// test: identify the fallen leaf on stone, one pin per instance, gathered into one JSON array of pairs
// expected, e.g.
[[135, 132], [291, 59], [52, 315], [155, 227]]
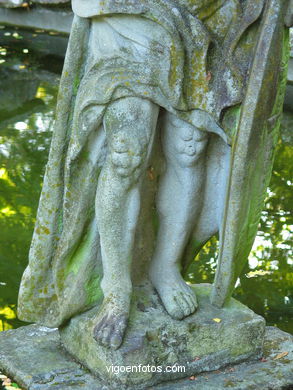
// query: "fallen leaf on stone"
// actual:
[[196, 358], [229, 383], [281, 355], [151, 173], [231, 369], [209, 76], [217, 319], [193, 378]]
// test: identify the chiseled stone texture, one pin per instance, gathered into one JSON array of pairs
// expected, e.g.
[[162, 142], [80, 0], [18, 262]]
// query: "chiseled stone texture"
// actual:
[[199, 342], [274, 371], [32, 356]]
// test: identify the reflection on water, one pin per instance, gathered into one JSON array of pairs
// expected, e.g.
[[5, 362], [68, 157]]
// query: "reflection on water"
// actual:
[[28, 89], [23, 153]]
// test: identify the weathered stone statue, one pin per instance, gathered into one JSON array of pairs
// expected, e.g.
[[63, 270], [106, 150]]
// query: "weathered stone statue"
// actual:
[[141, 175]]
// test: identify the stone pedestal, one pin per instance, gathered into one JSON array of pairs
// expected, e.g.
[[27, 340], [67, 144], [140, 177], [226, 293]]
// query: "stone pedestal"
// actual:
[[155, 343], [34, 358]]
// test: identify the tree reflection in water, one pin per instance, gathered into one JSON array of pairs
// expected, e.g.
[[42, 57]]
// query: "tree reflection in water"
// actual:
[[265, 284], [23, 154]]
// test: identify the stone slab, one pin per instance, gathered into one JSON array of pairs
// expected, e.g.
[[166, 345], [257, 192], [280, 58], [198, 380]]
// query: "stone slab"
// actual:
[[34, 358], [38, 18], [207, 340]]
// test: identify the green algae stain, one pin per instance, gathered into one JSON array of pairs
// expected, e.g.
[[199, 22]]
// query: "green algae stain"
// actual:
[[209, 8], [42, 230], [231, 120], [76, 85], [75, 263], [78, 257], [176, 58], [93, 290]]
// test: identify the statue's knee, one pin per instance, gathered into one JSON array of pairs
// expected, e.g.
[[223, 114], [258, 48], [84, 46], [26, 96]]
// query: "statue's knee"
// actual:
[[129, 137], [127, 158], [125, 164], [191, 147]]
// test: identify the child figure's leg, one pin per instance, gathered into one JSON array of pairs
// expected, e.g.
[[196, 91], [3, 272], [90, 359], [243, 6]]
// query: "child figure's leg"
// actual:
[[179, 201]]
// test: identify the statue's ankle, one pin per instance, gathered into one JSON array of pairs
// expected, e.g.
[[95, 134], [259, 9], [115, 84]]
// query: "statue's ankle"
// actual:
[[117, 291]]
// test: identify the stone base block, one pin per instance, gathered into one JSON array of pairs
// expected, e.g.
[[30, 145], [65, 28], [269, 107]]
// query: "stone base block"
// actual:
[[33, 357], [156, 345]]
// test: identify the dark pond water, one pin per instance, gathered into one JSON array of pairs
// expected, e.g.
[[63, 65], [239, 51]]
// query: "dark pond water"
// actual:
[[30, 65]]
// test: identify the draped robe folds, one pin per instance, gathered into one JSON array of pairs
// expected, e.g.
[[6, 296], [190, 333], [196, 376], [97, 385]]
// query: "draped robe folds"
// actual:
[[196, 71]]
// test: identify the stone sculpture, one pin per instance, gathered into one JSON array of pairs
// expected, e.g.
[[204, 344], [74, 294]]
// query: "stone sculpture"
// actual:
[[153, 95]]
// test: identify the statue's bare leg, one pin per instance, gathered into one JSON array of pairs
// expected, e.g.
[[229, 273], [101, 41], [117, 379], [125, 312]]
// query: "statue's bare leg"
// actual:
[[179, 201], [130, 126]]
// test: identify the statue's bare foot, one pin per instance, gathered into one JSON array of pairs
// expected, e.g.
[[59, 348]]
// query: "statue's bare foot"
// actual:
[[178, 298], [111, 322]]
